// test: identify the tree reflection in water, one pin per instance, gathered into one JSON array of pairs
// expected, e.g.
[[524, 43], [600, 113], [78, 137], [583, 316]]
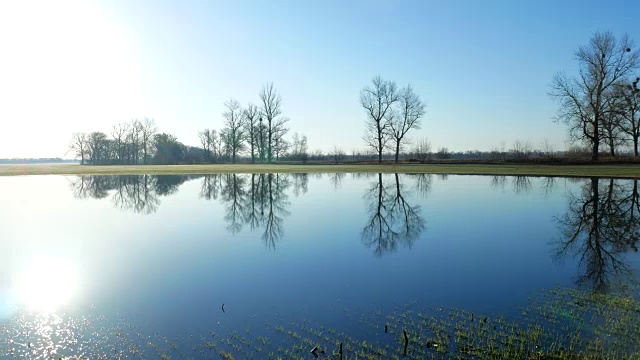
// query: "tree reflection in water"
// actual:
[[138, 193], [392, 220], [601, 225]]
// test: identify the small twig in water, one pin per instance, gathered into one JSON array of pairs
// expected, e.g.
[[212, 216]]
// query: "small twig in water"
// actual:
[[406, 342]]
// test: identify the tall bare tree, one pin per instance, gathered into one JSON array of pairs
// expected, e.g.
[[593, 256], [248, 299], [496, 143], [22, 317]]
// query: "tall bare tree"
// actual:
[[234, 133], [251, 114], [133, 141], [148, 129], [602, 63], [407, 117], [216, 144], [205, 141], [378, 100], [422, 150], [119, 133], [271, 109], [96, 144], [279, 130], [79, 145], [630, 112]]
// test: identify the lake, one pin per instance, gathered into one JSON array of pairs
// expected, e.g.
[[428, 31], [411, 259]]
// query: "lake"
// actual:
[[275, 265]]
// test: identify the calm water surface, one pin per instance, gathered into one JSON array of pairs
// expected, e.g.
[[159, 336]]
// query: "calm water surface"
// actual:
[[164, 253]]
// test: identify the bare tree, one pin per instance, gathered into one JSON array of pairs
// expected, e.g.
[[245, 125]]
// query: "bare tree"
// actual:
[[337, 154], [119, 133], [378, 100], [205, 141], [583, 106], [279, 130], [630, 111], [422, 150], [251, 129], [234, 133], [133, 141], [410, 110], [216, 144], [547, 148], [271, 109], [96, 144], [148, 129], [79, 146], [521, 149], [443, 153]]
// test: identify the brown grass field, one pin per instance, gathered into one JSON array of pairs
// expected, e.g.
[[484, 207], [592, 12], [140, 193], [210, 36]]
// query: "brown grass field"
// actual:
[[600, 170]]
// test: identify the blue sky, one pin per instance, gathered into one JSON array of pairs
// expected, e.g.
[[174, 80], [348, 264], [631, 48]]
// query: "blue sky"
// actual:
[[482, 67]]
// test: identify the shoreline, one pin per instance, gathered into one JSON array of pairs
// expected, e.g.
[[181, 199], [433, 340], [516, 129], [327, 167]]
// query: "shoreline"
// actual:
[[630, 171]]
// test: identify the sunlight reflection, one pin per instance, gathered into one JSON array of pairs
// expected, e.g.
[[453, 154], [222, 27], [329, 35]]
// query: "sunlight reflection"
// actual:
[[46, 284]]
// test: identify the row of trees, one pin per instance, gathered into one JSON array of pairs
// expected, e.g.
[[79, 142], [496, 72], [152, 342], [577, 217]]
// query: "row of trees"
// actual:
[[131, 143], [257, 131], [601, 105]]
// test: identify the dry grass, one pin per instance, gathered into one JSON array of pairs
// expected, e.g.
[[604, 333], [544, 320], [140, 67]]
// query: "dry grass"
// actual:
[[617, 170]]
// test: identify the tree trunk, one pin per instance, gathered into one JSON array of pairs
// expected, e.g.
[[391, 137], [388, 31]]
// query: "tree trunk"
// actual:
[[596, 139], [397, 150], [612, 148], [379, 144], [269, 148], [635, 146]]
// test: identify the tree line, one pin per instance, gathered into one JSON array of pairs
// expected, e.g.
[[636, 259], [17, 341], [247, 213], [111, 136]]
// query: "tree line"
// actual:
[[256, 131], [601, 106]]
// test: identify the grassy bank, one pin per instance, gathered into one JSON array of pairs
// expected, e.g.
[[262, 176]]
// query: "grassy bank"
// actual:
[[617, 170]]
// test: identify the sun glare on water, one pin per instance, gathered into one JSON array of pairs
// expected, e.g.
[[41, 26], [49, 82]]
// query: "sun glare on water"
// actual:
[[46, 284]]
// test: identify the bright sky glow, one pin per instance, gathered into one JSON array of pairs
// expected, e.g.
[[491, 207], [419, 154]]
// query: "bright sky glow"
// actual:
[[483, 67]]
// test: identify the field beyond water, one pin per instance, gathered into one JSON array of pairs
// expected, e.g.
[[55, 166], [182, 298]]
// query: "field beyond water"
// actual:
[[631, 171]]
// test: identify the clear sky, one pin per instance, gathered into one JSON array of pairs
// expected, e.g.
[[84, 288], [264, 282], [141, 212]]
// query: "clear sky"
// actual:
[[482, 67]]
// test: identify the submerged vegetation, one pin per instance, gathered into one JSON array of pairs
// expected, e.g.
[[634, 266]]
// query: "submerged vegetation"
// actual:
[[557, 324]]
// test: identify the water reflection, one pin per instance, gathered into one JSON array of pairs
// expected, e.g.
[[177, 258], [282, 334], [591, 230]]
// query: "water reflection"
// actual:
[[391, 219], [138, 193], [519, 184], [256, 201], [601, 225], [45, 284]]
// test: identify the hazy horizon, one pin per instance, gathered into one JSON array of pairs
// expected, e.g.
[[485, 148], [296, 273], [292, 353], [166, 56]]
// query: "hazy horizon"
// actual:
[[482, 68]]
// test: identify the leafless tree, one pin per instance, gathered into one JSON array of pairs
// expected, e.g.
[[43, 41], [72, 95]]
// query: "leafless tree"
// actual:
[[79, 146], [234, 133], [378, 100], [299, 148], [630, 111], [422, 150], [337, 154], [148, 129], [205, 141], [96, 144], [119, 133], [410, 111], [133, 141], [443, 153], [547, 148], [251, 114], [216, 144], [271, 109], [521, 149], [602, 63], [279, 129]]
